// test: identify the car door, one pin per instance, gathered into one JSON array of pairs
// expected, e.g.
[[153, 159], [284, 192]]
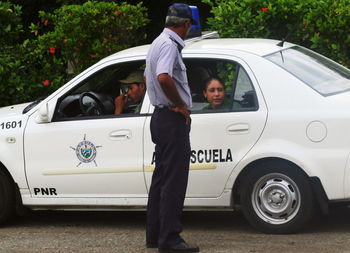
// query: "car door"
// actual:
[[219, 138], [96, 156]]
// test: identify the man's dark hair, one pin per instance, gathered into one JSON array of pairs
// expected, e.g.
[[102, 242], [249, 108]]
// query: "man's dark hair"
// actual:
[[172, 21]]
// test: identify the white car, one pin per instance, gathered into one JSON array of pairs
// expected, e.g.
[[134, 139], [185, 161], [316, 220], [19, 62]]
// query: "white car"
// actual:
[[280, 149]]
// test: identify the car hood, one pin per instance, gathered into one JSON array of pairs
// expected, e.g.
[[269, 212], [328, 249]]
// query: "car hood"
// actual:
[[13, 110]]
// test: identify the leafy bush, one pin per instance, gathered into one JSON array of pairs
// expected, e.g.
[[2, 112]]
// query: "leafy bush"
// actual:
[[11, 63], [75, 36], [24, 74], [320, 25], [327, 29], [83, 34], [10, 23]]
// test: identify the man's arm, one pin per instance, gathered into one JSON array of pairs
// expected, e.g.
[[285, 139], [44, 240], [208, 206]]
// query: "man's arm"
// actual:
[[168, 86]]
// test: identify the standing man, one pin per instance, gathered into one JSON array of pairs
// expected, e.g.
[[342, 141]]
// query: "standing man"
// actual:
[[168, 90]]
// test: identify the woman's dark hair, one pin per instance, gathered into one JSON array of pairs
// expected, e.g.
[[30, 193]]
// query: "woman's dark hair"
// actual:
[[211, 78]]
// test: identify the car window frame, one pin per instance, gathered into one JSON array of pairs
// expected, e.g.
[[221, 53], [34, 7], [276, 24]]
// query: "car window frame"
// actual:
[[234, 84], [81, 81]]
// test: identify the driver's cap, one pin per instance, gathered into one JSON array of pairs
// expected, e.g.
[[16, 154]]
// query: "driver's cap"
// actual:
[[134, 77]]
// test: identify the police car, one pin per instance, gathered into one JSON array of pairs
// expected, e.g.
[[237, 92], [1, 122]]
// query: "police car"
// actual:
[[278, 150]]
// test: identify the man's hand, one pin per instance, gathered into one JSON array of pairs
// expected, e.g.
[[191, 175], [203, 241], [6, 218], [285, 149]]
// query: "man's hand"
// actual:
[[119, 103], [168, 86], [184, 111]]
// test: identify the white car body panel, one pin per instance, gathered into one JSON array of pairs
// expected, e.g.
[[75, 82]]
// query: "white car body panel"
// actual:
[[315, 158], [103, 177], [11, 146], [13, 110]]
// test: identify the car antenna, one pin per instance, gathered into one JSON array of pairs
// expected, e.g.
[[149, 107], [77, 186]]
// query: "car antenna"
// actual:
[[281, 43]]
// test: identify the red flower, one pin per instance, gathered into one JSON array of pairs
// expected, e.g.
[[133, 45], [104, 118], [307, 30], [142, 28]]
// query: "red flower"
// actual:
[[52, 50], [264, 9], [117, 12], [46, 22], [46, 82], [306, 25]]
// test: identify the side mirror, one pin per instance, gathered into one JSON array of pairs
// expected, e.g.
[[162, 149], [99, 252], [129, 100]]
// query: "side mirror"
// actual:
[[43, 114]]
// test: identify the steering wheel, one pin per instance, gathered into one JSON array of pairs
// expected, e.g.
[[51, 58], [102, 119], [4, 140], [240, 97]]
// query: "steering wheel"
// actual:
[[93, 107]]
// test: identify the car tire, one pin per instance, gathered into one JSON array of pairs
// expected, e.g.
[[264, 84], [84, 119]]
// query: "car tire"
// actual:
[[277, 198], [7, 198]]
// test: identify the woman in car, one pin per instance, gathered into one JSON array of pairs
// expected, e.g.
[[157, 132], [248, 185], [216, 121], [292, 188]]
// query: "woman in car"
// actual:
[[214, 92]]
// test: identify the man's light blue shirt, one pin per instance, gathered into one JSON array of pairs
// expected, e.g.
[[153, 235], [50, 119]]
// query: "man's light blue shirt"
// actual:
[[164, 57]]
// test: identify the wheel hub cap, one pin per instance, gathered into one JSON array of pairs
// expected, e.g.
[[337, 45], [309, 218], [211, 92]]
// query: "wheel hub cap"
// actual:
[[276, 198]]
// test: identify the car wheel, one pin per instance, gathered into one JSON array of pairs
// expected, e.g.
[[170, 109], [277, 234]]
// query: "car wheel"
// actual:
[[277, 198], [7, 200]]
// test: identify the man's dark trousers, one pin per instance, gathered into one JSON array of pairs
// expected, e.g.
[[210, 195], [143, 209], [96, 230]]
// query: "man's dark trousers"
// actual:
[[170, 133]]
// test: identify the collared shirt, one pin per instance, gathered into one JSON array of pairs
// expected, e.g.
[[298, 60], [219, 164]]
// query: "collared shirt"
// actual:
[[226, 104], [164, 57], [138, 108]]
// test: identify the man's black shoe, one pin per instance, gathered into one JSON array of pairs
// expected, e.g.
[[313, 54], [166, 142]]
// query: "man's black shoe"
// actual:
[[181, 247], [152, 245]]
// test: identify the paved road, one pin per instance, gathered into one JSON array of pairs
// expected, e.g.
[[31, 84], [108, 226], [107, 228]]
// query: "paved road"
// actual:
[[214, 232]]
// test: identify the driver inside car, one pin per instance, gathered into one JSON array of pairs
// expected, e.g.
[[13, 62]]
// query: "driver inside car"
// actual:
[[136, 91]]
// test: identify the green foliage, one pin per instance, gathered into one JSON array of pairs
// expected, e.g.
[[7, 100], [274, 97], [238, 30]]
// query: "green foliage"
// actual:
[[321, 25], [227, 72], [327, 28], [10, 23], [70, 39], [27, 74], [83, 34]]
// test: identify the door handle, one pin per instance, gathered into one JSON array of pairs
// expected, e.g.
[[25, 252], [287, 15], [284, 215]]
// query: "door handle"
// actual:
[[239, 128], [120, 135]]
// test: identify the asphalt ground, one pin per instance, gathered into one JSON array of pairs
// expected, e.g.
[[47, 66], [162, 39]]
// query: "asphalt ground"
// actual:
[[107, 232]]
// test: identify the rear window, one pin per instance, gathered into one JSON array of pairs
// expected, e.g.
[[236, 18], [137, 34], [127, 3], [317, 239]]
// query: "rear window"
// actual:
[[320, 73]]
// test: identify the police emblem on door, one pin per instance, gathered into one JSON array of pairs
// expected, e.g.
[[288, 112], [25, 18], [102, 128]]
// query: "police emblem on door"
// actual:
[[86, 151]]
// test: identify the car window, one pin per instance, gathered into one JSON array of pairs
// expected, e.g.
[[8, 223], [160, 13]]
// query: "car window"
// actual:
[[97, 81], [244, 95], [95, 96], [219, 86], [318, 72]]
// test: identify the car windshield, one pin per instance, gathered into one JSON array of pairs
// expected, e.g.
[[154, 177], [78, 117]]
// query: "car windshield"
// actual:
[[320, 73]]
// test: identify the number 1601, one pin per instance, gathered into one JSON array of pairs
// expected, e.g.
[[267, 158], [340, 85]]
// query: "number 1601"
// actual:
[[11, 124]]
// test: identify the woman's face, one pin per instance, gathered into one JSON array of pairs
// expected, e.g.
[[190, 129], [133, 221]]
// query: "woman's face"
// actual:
[[215, 93]]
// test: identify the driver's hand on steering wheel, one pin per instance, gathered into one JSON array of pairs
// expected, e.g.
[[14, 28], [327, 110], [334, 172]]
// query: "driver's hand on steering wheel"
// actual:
[[120, 102]]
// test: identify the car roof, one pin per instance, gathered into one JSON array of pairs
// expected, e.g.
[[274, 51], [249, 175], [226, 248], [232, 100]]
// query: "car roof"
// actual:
[[259, 47], [255, 46]]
